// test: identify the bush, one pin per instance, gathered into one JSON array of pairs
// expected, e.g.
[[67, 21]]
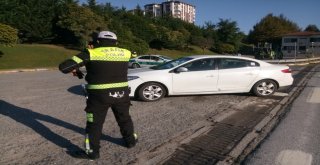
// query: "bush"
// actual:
[[224, 48], [8, 35]]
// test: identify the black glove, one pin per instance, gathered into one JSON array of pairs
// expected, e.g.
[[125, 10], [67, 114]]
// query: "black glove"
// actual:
[[78, 73]]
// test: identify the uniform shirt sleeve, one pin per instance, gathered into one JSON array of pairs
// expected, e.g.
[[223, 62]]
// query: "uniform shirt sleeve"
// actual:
[[75, 62]]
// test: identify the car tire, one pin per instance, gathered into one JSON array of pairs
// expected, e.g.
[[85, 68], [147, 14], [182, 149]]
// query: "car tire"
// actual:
[[151, 92], [264, 88], [135, 65]]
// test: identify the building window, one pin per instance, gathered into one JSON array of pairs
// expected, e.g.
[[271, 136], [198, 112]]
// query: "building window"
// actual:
[[302, 48], [289, 48], [290, 40], [314, 39]]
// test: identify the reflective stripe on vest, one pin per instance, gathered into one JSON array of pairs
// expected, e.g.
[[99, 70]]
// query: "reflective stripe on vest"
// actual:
[[90, 117], [76, 59], [109, 54], [107, 86]]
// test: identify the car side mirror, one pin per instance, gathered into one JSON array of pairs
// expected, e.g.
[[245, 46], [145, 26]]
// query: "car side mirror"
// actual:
[[181, 69]]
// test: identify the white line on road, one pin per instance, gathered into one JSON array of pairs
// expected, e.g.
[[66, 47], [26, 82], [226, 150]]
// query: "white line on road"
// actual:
[[280, 94], [293, 157], [315, 96]]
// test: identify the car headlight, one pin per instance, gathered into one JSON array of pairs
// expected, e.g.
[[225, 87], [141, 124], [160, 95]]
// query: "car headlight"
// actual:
[[132, 78]]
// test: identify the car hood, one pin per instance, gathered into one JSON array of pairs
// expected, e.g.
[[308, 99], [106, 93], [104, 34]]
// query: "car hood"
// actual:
[[139, 70], [144, 71]]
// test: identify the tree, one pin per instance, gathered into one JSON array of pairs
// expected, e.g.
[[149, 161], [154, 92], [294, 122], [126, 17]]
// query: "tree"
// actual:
[[267, 34], [139, 11], [92, 4], [228, 37], [225, 48], [82, 22], [33, 18], [271, 29], [312, 28], [202, 42], [8, 35]]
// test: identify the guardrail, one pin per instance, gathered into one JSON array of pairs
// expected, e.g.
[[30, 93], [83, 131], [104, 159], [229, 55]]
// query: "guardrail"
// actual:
[[295, 61]]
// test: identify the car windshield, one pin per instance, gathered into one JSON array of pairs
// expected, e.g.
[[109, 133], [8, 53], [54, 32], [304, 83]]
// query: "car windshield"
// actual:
[[171, 64]]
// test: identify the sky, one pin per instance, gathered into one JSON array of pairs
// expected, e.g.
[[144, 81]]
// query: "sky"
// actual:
[[246, 13]]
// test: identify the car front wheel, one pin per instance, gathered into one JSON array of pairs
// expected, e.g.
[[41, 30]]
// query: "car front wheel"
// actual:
[[135, 65], [151, 92], [264, 88]]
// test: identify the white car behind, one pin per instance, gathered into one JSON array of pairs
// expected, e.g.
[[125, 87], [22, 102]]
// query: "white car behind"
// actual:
[[208, 74], [147, 61]]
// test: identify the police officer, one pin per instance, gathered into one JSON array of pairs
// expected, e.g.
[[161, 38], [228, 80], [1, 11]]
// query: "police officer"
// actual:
[[107, 67]]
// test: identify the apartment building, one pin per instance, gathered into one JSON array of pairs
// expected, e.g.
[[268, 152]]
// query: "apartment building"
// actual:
[[153, 10], [176, 9], [301, 45]]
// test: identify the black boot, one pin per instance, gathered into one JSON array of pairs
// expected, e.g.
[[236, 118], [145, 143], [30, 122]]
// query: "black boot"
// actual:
[[131, 141], [83, 155]]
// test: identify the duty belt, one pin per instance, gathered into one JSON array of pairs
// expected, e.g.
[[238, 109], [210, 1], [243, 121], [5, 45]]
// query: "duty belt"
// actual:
[[107, 86]]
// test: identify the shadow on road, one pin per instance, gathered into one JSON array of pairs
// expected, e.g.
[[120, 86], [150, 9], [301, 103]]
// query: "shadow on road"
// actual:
[[77, 90], [31, 119]]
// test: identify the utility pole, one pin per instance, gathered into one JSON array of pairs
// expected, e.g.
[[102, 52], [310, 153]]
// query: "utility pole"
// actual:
[[295, 51], [312, 49]]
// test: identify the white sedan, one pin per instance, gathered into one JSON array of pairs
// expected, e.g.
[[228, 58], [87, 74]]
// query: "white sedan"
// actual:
[[208, 74]]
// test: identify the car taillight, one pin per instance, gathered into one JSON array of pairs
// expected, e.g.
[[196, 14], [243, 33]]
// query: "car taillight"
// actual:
[[286, 71]]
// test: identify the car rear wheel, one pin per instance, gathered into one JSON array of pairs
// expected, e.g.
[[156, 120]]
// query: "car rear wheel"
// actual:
[[135, 65], [151, 92], [264, 88]]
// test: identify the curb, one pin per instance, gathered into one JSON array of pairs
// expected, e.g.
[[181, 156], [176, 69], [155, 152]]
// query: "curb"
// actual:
[[25, 70]]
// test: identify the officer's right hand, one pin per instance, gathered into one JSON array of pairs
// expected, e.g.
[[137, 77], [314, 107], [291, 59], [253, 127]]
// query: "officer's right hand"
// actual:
[[74, 72]]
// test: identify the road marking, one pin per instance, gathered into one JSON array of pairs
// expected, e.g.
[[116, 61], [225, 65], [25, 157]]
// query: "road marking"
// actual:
[[293, 157], [315, 96], [280, 94]]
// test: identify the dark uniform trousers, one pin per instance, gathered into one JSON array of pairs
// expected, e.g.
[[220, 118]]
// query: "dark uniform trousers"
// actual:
[[98, 104]]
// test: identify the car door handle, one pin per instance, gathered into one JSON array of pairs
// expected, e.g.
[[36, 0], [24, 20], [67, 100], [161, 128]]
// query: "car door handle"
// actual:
[[250, 74], [210, 76]]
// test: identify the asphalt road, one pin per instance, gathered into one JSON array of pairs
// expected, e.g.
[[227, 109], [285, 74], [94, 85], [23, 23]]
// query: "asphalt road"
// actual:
[[42, 119], [296, 140]]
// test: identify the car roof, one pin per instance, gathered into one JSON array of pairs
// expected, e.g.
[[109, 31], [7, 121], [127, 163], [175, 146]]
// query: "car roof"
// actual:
[[226, 56], [149, 55], [154, 55]]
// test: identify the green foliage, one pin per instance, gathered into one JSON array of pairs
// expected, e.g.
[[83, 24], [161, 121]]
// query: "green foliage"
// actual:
[[8, 35], [228, 37], [67, 22], [271, 29], [82, 22], [247, 49], [135, 44], [33, 18], [202, 42], [312, 28], [225, 48]]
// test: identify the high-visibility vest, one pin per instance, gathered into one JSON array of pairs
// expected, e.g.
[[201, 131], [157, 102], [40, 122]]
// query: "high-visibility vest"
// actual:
[[107, 54]]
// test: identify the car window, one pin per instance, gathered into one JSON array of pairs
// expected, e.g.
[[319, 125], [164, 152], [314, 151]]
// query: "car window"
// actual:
[[144, 57], [154, 58], [229, 63], [171, 64], [201, 65]]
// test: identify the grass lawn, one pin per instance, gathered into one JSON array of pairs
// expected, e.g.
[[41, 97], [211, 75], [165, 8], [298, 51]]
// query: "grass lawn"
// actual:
[[33, 56], [30, 56], [179, 53]]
